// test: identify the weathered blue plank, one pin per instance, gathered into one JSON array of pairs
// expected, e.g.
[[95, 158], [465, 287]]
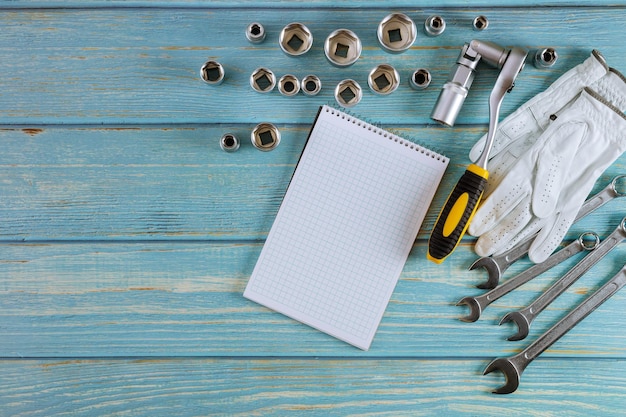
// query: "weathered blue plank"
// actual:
[[65, 67], [185, 299], [398, 387]]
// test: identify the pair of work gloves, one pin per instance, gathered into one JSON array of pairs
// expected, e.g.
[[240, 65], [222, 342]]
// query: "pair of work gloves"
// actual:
[[546, 158]]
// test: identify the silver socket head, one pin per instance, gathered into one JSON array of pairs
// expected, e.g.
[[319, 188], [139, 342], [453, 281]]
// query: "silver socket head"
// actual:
[[311, 85], [396, 32], [229, 142], [255, 32], [288, 85], [383, 79], [348, 93], [265, 136], [420, 79], [212, 73], [295, 39], [342, 47], [545, 58], [262, 80], [434, 25], [480, 23]]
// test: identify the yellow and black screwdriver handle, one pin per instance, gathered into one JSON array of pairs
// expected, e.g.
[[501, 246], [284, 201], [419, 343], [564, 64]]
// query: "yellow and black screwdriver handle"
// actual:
[[457, 213]]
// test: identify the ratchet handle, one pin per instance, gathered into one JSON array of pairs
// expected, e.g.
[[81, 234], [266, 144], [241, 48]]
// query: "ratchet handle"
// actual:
[[457, 213]]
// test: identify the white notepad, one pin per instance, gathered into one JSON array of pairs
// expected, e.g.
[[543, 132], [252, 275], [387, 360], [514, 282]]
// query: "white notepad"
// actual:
[[345, 227]]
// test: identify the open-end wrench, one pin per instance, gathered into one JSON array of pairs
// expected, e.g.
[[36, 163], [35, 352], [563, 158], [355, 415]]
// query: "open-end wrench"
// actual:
[[587, 241], [513, 367], [496, 265], [524, 317]]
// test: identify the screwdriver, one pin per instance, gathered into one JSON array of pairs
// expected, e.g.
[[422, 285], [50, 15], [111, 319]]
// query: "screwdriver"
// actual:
[[463, 201]]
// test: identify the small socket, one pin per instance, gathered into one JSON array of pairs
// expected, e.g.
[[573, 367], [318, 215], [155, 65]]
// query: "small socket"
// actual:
[[348, 93], [545, 58], [288, 85], [420, 79], [229, 142], [262, 80], [383, 79], [212, 73], [342, 47], [265, 136], [480, 23], [434, 25], [255, 32], [396, 32], [311, 85], [295, 39]]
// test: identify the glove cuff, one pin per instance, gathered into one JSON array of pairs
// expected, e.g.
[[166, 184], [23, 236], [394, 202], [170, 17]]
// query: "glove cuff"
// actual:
[[612, 87]]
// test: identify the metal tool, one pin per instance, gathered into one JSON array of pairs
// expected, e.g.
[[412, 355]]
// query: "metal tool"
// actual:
[[262, 80], [265, 136], [545, 58], [480, 23], [342, 48], [513, 367], [420, 79], [255, 32], [295, 39], [212, 72], [396, 32], [496, 265], [383, 79], [348, 93], [434, 25], [463, 201], [229, 142], [524, 317], [288, 85], [311, 85], [587, 241]]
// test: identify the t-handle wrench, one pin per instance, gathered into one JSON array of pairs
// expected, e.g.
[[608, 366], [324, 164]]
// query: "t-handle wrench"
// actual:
[[496, 265], [513, 367], [524, 317], [587, 241]]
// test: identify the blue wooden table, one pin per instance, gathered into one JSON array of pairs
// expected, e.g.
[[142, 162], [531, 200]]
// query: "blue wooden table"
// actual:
[[127, 235]]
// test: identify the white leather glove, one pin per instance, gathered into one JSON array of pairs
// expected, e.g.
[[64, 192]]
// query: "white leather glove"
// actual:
[[518, 131], [546, 186]]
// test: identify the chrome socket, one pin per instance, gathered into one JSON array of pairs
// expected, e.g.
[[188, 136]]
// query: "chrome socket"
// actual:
[[420, 79], [342, 48], [396, 32], [480, 23], [229, 142], [212, 73], [295, 39], [434, 25], [311, 85], [545, 58], [265, 136], [288, 85], [262, 80], [255, 32], [383, 79], [348, 93]]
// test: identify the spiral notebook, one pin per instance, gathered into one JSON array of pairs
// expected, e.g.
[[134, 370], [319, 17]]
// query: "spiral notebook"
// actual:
[[345, 227]]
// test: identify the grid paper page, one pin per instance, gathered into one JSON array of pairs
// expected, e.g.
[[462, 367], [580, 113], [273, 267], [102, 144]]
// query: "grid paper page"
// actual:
[[345, 227]]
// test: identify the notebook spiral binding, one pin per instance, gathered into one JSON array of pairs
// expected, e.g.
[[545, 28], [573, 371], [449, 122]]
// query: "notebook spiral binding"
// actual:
[[386, 133]]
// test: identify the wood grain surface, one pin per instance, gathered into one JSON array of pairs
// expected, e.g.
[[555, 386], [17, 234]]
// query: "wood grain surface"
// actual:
[[127, 235]]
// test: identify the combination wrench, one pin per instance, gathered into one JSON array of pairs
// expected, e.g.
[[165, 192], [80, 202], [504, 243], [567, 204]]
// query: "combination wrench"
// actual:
[[587, 241], [524, 317], [513, 367], [496, 265]]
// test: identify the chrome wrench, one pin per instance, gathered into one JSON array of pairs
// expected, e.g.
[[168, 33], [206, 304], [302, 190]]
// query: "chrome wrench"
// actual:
[[524, 317], [513, 367], [496, 265], [587, 241]]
